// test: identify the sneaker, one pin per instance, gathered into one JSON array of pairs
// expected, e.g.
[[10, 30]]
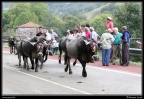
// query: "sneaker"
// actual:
[[124, 65], [113, 63], [103, 64]]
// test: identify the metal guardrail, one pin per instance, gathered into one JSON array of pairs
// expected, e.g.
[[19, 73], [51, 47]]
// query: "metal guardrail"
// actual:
[[135, 51]]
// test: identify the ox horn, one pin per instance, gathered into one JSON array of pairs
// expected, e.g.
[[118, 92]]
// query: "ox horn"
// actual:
[[86, 42], [32, 43]]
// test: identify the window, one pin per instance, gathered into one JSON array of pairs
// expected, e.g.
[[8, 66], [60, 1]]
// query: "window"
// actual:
[[31, 33]]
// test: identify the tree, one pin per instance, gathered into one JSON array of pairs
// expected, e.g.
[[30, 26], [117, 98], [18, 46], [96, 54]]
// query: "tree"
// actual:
[[58, 25], [41, 10], [20, 12], [130, 15], [70, 21], [25, 17]]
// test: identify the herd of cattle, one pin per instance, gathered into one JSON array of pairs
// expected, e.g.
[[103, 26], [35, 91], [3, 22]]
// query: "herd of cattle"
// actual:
[[37, 50]]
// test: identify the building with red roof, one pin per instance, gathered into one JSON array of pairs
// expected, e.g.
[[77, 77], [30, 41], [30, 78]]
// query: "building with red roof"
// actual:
[[29, 29]]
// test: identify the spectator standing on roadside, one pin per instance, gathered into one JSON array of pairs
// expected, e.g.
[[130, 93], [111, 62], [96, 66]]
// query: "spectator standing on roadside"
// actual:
[[117, 46], [125, 46], [53, 34], [106, 41], [94, 37], [88, 33], [41, 32]]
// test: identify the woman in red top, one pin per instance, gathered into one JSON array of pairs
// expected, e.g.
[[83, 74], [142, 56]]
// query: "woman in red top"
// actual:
[[109, 23], [88, 33]]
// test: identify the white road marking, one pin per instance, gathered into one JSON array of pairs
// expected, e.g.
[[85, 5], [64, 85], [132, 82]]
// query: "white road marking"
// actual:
[[8, 67], [111, 70]]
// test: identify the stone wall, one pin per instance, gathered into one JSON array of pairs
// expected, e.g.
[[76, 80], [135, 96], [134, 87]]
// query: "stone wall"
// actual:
[[26, 32]]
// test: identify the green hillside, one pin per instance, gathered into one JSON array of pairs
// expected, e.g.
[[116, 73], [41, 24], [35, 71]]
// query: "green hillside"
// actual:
[[74, 8], [108, 8], [85, 9]]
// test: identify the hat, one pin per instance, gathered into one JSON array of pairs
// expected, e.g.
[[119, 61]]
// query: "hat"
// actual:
[[51, 30], [109, 30], [92, 28], [124, 27], [109, 18], [68, 30]]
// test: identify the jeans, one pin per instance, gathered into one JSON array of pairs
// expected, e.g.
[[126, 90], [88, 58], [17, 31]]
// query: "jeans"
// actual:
[[106, 56], [53, 49]]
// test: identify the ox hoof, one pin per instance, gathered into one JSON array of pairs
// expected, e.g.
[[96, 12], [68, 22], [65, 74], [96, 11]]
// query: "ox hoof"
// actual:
[[36, 70], [65, 63], [74, 64], [59, 62], [32, 68], [70, 72], [41, 67], [84, 74], [66, 69]]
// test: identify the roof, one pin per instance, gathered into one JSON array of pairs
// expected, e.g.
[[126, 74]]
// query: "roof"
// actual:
[[29, 25]]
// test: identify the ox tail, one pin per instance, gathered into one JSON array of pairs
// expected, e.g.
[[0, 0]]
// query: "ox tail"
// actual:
[[60, 50]]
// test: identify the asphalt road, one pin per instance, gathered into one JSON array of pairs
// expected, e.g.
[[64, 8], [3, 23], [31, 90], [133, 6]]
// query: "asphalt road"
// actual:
[[52, 80]]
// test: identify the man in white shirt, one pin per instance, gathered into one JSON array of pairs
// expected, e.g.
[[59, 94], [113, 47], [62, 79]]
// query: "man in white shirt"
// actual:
[[53, 34], [48, 35], [106, 40], [94, 36]]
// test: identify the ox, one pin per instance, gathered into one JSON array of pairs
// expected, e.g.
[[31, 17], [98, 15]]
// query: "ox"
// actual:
[[45, 53], [31, 48], [20, 53], [12, 43], [77, 48]]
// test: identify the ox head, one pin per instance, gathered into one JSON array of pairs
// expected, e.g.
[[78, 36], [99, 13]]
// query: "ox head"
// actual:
[[91, 48], [12, 41], [39, 45]]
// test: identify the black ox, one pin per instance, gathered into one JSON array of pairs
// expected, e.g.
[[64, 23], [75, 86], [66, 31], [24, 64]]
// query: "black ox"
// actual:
[[31, 48], [12, 43], [77, 48]]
